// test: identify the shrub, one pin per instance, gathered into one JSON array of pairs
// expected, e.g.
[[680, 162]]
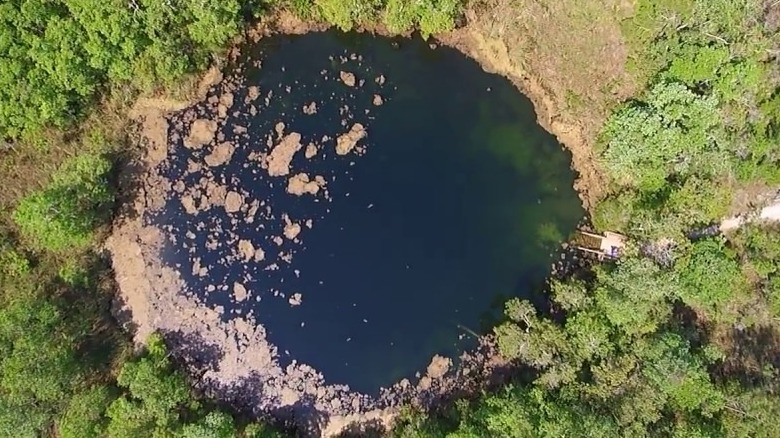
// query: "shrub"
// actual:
[[345, 14], [432, 16], [84, 415], [65, 212]]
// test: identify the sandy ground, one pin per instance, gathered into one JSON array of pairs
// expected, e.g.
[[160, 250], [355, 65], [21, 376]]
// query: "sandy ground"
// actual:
[[769, 212]]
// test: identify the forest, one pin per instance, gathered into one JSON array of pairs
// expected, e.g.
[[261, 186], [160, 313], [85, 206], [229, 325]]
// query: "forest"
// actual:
[[679, 338]]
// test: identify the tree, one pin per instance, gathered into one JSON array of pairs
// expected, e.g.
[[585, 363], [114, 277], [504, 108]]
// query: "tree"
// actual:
[[59, 54], [712, 280], [636, 296], [157, 395], [214, 424], [674, 132], [84, 416]]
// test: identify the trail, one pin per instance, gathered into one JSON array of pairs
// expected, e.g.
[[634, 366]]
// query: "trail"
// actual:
[[769, 213]]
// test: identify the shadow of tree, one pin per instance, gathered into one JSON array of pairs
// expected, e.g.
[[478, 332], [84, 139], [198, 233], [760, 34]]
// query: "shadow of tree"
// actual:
[[753, 350], [369, 429], [193, 351]]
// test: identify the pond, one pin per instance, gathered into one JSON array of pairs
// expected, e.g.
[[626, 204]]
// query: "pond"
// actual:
[[370, 201]]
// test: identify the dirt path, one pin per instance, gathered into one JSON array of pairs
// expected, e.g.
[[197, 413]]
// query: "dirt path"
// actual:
[[769, 213]]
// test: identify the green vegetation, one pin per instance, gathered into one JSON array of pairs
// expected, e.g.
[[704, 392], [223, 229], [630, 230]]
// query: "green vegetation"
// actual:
[[70, 69], [680, 340], [59, 55], [430, 16], [64, 213]]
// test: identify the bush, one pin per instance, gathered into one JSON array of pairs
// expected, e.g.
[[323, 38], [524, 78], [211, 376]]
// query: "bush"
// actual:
[[400, 15], [65, 213], [346, 14], [432, 16], [438, 16], [84, 415]]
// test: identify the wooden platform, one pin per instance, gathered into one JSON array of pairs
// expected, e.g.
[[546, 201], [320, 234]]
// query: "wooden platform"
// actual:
[[607, 246]]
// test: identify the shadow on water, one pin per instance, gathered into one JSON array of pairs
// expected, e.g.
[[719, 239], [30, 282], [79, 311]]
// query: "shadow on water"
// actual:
[[459, 198]]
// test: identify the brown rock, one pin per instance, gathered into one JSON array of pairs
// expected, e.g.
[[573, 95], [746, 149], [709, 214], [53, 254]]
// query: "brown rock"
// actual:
[[311, 151], [347, 78], [346, 142], [233, 202], [310, 108], [300, 184], [221, 154], [278, 161], [239, 292], [201, 132], [292, 230], [246, 250]]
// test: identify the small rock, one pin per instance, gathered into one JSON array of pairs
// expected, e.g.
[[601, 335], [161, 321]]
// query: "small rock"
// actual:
[[202, 132], [311, 151], [221, 154], [378, 101], [239, 292], [278, 161], [310, 108], [246, 250], [189, 204], [348, 78], [233, 202], [292, 230], [301, 184]]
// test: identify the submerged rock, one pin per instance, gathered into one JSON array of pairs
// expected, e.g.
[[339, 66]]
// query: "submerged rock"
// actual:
[[310, 109]]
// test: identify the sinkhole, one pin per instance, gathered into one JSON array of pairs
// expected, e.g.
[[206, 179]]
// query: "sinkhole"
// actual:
[[370, 201]]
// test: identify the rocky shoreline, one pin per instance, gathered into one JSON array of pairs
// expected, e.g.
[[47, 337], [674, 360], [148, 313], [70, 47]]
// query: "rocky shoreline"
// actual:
[[231, 360]]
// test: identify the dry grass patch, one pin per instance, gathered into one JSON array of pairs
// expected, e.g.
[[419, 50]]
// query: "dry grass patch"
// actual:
[[574, 47]]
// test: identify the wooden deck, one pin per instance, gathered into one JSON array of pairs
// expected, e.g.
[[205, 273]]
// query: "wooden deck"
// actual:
[[607, 246]]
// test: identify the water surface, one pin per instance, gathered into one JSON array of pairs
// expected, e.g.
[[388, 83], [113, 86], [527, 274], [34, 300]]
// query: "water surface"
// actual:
[[455, 205]]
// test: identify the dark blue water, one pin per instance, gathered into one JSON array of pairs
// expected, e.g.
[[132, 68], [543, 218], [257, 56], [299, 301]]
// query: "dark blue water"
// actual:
[[456, 204]]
